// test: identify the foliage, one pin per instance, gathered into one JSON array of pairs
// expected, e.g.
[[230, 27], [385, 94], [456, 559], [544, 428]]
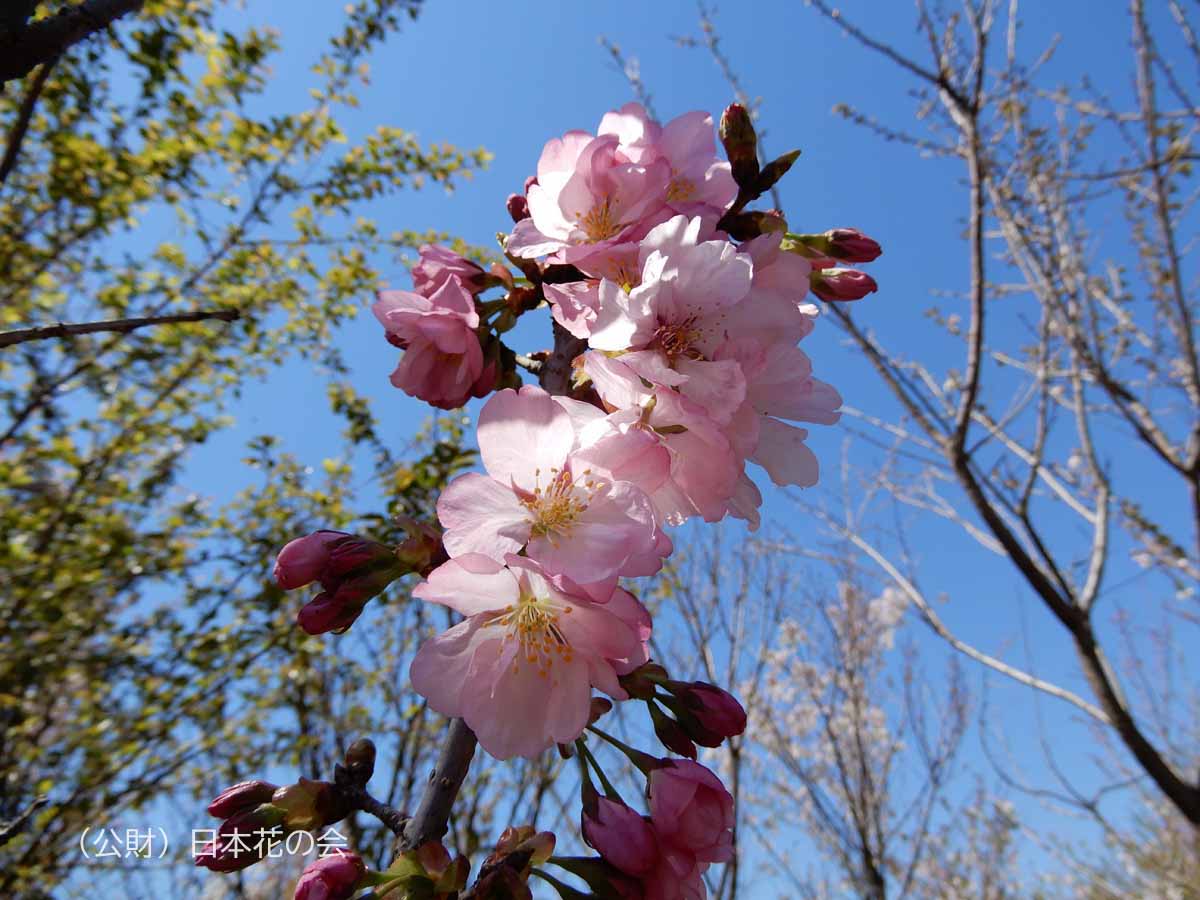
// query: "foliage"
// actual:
[[145, 648]]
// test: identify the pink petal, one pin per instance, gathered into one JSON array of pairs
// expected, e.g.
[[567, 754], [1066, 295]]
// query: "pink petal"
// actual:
[[481, 515], [782, 452], [523, 436], [470, 584]]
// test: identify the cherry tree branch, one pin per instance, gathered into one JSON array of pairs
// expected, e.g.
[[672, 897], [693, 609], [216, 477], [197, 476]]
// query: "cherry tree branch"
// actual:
[[46, 39], [16, 137], [429, 822], [120, 326]]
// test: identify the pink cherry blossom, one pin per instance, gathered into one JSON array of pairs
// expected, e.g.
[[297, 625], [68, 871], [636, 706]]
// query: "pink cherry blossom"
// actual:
[[520, 669], [691, 810], [679, 314], [704, 468], [537, 495], [436, 265], [587, 198], [700, 182], [442, 362], [780, 386]]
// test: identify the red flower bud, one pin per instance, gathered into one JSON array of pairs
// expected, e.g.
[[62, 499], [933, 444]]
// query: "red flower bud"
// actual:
[[242, 796], [671, 733], [851, 245], [716, 711], [518, 207], [842, 284]]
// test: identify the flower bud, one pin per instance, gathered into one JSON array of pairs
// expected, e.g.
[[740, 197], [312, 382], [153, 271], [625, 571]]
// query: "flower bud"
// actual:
[[842, 284], [303, 560], [691, 810], [620, 835], [845, 244], [242, 796], [360, 760], [332, 877], [852, 246], [325, 613], [740, 143], [671, 733], [716, 711], [351, 570], [518, 207], [239, 842]]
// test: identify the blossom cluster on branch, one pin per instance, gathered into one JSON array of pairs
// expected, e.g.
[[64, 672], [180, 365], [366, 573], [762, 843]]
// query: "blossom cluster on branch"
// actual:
[[677, 314]]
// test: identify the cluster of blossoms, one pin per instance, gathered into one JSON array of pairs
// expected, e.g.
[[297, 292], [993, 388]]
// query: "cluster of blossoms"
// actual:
[[677, 317]]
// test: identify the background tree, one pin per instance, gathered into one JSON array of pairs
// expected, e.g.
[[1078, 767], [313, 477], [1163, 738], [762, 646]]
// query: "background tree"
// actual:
[[146, 653]]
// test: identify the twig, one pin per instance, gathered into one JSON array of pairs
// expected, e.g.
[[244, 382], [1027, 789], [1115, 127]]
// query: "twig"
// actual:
[[10, 830], [46, 39], [388, 815], [17, 136], [9, 338]]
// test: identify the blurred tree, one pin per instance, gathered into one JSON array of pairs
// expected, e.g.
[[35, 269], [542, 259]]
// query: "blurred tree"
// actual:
[[145, 650]]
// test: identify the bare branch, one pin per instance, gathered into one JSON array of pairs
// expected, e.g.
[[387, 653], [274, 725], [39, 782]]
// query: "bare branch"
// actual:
[[46, 39], [16, 137], [119, 326]]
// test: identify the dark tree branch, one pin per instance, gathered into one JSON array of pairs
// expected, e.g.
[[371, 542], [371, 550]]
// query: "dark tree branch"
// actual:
[[17, 136], [46, 39], [9, 338], [10, 830]]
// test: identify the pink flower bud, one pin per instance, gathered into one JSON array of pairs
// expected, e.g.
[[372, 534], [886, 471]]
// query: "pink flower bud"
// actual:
[[436, 265], [671, 733], [242, 796], [331, 877], [238, 843], [842, 284], [302, 561], [518, 207], [851, 245], [621, 836], [327, 613], [717, 712], [691, 810], [351, 569]]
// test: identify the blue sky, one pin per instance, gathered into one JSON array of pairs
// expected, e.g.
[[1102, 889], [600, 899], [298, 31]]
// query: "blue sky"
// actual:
[[510, 77]]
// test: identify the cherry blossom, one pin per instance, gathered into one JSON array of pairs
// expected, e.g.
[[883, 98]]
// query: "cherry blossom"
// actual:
[[520, 669], [442, 362], [538, 496]]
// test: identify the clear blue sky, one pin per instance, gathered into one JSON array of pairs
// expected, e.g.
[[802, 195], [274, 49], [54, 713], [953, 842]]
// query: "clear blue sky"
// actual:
[[510, 76]]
